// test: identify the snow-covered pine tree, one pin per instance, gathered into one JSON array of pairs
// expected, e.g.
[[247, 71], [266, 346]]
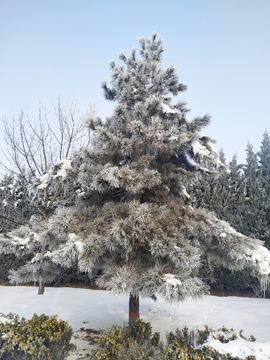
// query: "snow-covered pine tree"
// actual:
[[15, 210], [6, 197], [132, 218], [15, 207], [31, 242]]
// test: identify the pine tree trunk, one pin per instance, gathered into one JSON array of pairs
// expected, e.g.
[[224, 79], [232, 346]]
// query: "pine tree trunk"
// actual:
[[133, 309], [41, 287]]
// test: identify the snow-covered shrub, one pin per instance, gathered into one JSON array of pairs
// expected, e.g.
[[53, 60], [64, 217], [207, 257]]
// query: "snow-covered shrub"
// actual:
[[182, 345], [187, 345], [129, 343], [137, 343], [40, 338], [223, 334]]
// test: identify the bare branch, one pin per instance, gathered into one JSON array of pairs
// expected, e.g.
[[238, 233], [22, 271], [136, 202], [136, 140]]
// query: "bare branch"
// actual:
[[36, 144]]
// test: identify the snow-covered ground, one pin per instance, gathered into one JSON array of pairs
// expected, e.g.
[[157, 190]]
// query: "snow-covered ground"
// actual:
[[97, 309]]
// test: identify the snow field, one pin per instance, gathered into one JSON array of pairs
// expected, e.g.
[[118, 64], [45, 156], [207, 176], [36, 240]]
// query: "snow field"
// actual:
[[97, 309]]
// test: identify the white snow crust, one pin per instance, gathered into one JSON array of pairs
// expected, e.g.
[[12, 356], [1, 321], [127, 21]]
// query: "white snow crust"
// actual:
[[73, 237], [200, 149], [171, 280], [64, 168], [97, 309], [166, 109], [44, 179], [204, 152], [223, 234], [4, 202], [186, 119], [261, 256]]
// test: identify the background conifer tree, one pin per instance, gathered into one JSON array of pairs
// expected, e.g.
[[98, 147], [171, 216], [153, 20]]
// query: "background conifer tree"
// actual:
[[223, 192], [264, 189], [15, 210], [255, 213], [240, 196], [15, 207]]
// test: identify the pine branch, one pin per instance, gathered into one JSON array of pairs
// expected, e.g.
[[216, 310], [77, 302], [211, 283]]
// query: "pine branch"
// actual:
[[11, 220]]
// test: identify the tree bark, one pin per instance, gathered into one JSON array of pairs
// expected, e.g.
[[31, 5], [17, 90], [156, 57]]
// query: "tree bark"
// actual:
[[133, 309], [41, 287]]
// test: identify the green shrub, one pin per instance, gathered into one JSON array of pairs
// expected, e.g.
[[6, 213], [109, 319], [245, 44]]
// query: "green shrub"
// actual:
[[180, 346], [40, 338], [129, 343], [252, 338], [203, 335], [223, 334], [138, 343]]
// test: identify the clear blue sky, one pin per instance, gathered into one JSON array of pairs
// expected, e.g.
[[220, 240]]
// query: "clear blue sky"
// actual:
[[221, 49]]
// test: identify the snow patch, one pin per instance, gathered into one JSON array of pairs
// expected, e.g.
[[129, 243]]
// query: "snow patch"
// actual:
[[199, 149], [4, 202], [44, 181], [166, 109], [223, 234], [73, 237], [171, 280], [99, 309], [80, 247], [261, 257], [65, 167], [186, 119], [37, 257]]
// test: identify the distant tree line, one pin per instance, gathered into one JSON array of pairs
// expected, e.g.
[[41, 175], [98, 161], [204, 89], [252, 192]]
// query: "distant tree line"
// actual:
[[240, 195]]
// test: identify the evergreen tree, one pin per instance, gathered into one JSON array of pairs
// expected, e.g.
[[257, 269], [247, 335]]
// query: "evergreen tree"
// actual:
[[222, 192], [133, 218], [30, 242], [240, 196], [15, 210], [264, 168], [256, 213], [264, 155], [15, 205]]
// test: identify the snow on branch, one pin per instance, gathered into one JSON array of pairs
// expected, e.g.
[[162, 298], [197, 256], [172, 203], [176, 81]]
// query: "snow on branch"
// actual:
[[166, 109]]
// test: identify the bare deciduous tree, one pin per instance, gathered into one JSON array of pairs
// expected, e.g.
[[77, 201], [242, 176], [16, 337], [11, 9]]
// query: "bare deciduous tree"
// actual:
[[35, 145]]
